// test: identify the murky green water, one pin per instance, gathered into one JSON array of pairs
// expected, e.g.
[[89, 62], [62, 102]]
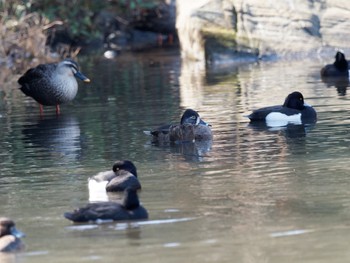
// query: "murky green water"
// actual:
[[253, 195]]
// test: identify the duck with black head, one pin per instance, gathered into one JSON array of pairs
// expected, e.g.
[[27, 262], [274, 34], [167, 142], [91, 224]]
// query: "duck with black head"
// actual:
[[293, 110], [10, 237], [123, 175], [339, 68], [191, 128], [52, 84], [129, 208], [337, 74]]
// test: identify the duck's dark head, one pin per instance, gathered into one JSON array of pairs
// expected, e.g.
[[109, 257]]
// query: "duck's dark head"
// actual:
[[340, 61], [74, 67], [126, 166], [294, 100], [7, 227], [192, 117]]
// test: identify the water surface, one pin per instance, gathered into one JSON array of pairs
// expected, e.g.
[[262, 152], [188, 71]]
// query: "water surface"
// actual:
[[251, 195]]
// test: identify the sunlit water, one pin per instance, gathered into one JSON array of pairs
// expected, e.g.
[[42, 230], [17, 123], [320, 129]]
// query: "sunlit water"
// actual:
[[252, 195]]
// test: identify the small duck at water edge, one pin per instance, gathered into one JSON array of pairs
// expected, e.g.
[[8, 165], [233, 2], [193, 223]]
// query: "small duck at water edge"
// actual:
[[9, 236], [191, 128], [294, 110], [53, 83]]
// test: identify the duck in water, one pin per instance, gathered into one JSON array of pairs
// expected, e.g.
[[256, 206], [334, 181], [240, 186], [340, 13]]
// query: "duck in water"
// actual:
[[53, 83]]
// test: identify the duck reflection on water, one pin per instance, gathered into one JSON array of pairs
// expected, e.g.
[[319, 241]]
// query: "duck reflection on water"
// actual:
[[290, 130], [340, 83], [57, 135], [191, 151]]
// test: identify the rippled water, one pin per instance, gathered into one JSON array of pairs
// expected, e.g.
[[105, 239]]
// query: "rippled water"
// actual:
[[252, 195]]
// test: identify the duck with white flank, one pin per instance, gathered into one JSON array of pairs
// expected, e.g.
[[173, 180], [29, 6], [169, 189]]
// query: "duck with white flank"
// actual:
[[294, 110]]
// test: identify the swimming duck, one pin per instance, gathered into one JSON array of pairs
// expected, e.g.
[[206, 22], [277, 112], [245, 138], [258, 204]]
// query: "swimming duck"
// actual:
[[52, 84], [339, 68], [128, 209], [123, 175], [191, 128], [294, 110], [9, 236]]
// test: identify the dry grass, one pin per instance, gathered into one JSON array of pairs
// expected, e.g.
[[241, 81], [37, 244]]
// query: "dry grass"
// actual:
[[23, 44], [22, 40]]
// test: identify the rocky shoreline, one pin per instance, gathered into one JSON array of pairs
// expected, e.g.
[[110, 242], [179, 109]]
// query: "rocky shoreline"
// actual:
[[220, 31]]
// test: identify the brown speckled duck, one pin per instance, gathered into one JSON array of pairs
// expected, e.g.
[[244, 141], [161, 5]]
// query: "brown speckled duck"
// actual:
[[191, 128]]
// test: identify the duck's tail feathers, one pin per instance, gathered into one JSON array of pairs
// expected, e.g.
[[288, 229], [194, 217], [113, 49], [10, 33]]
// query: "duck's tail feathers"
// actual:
[[68, 215], [147, 133]]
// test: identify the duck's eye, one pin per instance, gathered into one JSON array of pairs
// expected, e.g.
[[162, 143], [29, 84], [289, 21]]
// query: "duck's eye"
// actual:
[[193, 117]]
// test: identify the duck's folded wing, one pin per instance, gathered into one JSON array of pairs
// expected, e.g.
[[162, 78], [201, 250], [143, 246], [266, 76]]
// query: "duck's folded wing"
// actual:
[[260, 114], [34, 76], [95, 211]]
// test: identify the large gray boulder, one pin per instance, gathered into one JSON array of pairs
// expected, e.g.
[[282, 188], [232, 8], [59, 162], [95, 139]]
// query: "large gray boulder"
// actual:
[[216, 30]]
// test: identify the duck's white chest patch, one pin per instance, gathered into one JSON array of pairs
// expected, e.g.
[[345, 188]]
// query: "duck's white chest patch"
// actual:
[[97, 191], [274, 119]]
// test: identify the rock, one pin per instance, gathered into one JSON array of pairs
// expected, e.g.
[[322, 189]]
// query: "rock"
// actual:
[[219, 29]]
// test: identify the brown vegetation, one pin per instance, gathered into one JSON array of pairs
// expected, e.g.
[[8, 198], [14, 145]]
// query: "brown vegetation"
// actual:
[[23, 41], [23, 44]]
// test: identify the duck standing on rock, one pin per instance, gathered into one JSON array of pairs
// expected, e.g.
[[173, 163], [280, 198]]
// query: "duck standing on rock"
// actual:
[[53, 83]]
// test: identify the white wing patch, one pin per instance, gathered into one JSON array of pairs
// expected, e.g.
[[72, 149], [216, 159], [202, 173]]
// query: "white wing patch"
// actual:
[[276, 119]]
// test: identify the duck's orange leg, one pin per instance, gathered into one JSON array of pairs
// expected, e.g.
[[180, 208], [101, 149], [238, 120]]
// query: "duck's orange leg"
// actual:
[[58, 110], [41, 110], [171, 39], [160, 40]]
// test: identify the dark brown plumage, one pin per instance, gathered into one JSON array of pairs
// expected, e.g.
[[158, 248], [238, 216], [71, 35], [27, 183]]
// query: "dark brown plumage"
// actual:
[[191, 128]]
